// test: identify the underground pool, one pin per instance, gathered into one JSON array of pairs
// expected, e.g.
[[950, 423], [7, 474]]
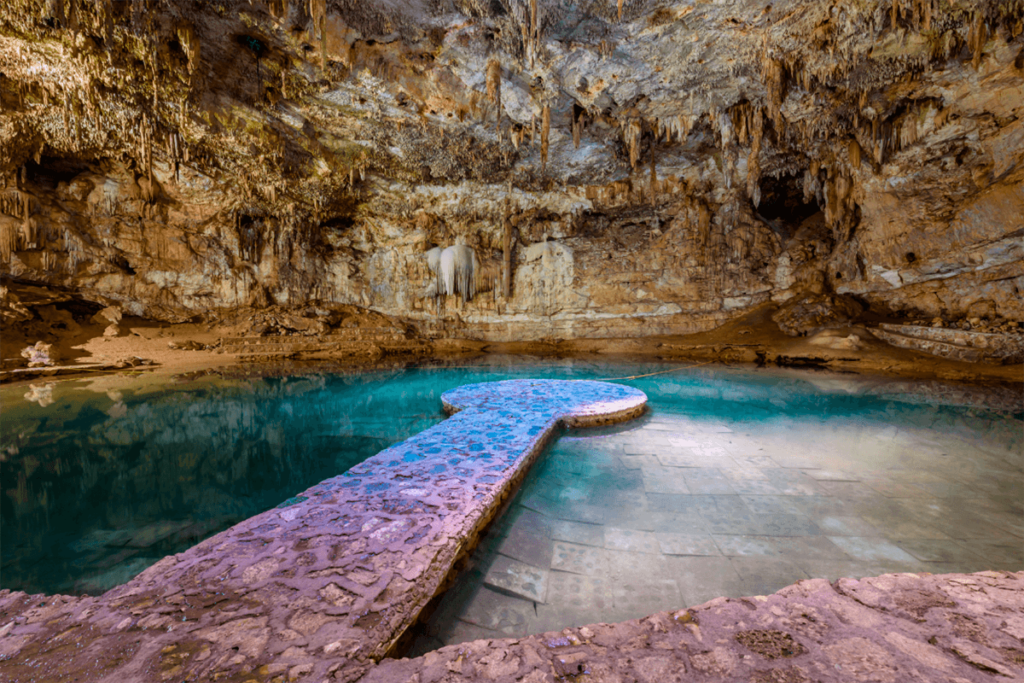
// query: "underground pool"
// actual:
[[734, 482]]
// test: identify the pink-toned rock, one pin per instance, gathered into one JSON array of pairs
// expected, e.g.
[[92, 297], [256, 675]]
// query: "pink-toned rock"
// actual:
[[40, 355], [863, 630]]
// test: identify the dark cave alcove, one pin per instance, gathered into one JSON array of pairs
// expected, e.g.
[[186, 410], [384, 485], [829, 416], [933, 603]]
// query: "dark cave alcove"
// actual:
[[250, 237], [782, 204], [782, 199], [51, 171]]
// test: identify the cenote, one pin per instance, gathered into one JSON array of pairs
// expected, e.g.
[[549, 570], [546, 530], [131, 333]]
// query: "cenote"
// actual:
[[735, 482]]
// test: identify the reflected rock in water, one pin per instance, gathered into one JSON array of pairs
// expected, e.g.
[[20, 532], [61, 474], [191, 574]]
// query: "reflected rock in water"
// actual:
[[41, 394]]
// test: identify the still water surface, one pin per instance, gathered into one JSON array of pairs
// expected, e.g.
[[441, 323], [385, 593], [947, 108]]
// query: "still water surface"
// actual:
[[102, 478]]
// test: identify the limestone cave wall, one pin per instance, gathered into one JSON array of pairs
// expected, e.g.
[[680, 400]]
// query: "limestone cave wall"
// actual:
[[618, 169]]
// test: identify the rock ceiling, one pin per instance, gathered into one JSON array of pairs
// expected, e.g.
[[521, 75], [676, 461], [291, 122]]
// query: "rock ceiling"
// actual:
[[616, 169]]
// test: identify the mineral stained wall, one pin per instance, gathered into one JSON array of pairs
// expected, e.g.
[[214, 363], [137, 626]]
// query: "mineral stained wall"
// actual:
[[618, 169]]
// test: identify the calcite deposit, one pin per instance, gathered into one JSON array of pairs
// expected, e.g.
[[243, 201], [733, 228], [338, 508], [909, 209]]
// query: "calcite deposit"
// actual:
[[616, 169]]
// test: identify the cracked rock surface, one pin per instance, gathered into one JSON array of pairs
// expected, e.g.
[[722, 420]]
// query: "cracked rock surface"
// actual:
[[896, 627]]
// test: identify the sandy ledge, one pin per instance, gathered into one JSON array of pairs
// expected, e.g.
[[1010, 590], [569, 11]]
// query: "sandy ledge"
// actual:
[[752, 339]]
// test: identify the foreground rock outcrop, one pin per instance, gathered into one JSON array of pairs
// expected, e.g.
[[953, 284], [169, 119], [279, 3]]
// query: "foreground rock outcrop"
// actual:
[[617, 169], [896, 627]]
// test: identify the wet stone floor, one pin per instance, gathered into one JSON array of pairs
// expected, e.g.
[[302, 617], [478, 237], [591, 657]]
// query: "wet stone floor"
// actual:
[[670, 512]]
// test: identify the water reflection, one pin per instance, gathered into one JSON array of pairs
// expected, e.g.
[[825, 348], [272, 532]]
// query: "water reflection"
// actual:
[[100, 479], [41, 394], [98, 486]]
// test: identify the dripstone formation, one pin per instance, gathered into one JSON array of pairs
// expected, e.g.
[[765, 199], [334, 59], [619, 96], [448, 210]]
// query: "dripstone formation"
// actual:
[[612, 169]]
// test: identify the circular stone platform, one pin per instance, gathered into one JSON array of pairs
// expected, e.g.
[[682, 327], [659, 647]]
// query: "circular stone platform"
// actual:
[[575, 403]]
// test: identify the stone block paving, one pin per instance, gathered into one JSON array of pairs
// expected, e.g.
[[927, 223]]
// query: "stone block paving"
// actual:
[[651, 523]]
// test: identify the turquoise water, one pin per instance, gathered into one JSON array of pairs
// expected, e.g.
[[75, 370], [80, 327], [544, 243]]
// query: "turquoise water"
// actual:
[[738, 484], [102, 478]]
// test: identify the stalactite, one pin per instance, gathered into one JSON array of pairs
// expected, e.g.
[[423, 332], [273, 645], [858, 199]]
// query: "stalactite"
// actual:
[[854, 150], [703, 225], [774, 73], [517, 134], [632, 132], [754, 175], [456, 270], [535, 28], [8, 240], [318, 13], [907, 131], [190, 45], [494, 88], [654, 175], [545, 129], [977, 37], [148, 151], [620, 3]]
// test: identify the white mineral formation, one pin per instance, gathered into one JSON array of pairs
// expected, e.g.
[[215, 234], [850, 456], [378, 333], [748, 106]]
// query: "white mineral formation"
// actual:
[[455, 270]]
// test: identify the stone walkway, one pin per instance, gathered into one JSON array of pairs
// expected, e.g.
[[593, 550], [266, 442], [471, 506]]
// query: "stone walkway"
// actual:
[[321, 588], [324, 585]]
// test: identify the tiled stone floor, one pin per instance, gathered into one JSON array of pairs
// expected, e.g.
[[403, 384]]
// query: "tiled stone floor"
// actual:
[[672, 512]]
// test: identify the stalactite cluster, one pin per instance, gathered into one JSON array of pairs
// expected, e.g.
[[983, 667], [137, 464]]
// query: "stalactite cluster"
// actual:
[[229, 137]]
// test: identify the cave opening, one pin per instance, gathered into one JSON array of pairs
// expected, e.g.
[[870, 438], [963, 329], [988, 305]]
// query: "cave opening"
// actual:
[[782, 199], [51, 171], [122, 264], [250, 237]]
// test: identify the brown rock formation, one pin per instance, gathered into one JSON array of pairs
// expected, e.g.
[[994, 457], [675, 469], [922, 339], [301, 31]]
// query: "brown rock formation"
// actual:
[[692, 162]]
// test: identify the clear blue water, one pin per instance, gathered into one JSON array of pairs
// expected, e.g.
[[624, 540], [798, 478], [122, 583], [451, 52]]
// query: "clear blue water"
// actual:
[[102, 478]]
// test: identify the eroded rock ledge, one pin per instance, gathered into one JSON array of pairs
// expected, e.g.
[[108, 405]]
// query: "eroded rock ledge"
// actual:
[[896, 627], [892, 628]]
